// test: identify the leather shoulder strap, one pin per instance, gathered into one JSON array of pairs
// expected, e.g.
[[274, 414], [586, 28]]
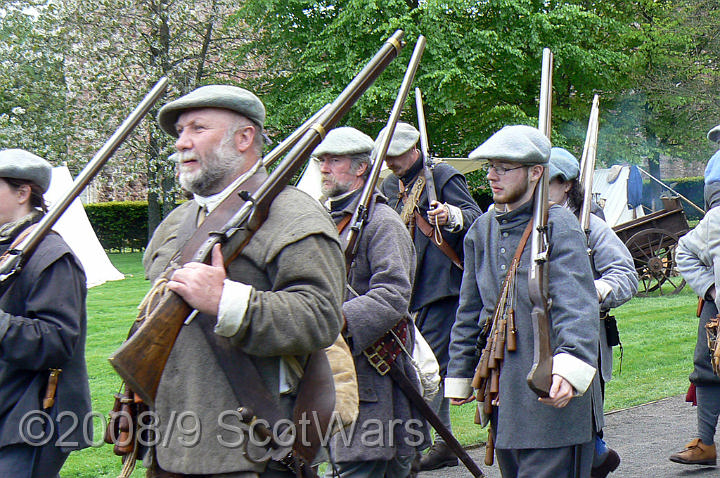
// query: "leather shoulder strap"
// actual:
[[427, 230], [343, 223], [220, 216]]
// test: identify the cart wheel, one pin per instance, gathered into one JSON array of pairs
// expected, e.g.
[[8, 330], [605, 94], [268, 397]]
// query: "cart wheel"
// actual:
[[653, 251]]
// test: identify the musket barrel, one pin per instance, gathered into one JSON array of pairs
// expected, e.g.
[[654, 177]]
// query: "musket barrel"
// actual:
[[588, 164], [285, 146], [540, 376], [378, 155], [348, 97], [140, 361], [425, 147]]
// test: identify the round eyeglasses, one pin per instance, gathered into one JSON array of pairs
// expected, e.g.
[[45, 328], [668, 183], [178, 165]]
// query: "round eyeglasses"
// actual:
[[500, 170]]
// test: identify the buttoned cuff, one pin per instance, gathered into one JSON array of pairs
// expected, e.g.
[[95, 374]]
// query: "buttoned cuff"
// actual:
[[578, 373], [459, 388], [233, 306], [602, 288], [455, 218]]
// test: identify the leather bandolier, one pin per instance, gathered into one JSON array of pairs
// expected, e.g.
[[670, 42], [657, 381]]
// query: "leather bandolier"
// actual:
[[383, 353], [410, 215], [498, 334]]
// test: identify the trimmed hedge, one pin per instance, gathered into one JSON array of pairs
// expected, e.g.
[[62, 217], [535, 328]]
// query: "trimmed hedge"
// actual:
[[120, 225], [692, 188], [123, 225]]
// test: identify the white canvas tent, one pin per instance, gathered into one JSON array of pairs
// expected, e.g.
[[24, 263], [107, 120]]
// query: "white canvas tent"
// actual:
[[610, 190], [75, 228]]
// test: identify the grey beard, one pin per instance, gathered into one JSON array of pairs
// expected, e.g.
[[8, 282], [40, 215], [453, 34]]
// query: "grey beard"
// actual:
[[206, 183], [209, 180]]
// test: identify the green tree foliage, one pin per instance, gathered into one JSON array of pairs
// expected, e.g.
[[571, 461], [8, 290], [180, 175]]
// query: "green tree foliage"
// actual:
[[672, 101], [33, 113], [480, 71]]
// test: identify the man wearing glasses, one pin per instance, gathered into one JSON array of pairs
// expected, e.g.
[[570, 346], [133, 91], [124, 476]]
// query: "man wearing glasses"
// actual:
[[548, 437]]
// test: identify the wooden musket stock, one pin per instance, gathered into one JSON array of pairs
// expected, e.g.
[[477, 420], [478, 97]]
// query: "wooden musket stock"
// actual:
[[540, 376], [140, 361]]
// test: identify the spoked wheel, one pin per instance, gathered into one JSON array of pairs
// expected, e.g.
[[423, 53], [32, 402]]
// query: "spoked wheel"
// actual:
[[653, 251]]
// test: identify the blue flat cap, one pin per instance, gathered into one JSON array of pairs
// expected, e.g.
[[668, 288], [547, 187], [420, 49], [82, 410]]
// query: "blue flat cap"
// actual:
[[712, 170], [21, 164], [344, 141], [563, 164], [519, 144], [405, 137], [228, 97], [714, 134]]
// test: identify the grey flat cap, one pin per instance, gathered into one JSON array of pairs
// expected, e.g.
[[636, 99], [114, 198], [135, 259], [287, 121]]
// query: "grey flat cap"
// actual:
[[714, 134], [231, 98], [519, 144], [21, 164], [404, 138], [344, 141], [562, 163]]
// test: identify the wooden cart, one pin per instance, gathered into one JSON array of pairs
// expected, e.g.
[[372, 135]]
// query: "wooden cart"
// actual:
[[652, 240]]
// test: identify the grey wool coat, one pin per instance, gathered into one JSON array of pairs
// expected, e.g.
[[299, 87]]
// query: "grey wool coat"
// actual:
[[381, 274], [43, 325], [698, 260], [612, 264], [522, 421], [296, 268]]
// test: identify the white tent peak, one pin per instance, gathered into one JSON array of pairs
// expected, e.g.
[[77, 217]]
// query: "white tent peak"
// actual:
[[74, 226]]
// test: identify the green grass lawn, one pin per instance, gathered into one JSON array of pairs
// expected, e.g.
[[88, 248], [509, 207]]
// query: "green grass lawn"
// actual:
[[658, 336], [112, 307]]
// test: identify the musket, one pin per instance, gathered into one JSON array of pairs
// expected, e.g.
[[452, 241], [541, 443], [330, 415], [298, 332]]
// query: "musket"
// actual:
[[141, 360], [428, 164], [587, 165], [13, 260], [357, 224], [540, 376], [360, 216], [271, 158]]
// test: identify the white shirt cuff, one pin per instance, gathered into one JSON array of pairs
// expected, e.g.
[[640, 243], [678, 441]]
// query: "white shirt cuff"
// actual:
[[455, 218], [460, 388], [578, 373], [603, 289], [233, 305]]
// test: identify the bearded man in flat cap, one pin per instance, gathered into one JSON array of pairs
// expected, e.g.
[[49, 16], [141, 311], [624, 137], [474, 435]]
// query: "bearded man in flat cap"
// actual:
[[541, 438], [376, 302], [277, 302], [438, 275]]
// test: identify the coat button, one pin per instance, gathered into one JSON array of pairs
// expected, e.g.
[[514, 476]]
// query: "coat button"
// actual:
[[505, 234], [502, 250], [503, 267]]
